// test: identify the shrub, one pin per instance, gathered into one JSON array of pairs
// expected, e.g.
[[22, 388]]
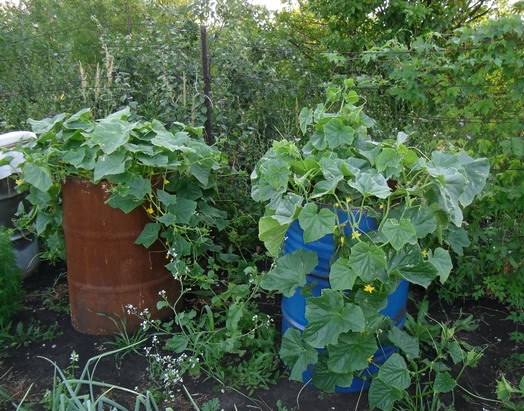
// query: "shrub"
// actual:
[[10, 279]]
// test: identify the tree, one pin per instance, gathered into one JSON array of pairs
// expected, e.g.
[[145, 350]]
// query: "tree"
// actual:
[[358, 25]]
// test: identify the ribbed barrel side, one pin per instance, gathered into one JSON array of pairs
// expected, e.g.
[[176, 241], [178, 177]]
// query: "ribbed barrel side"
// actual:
[[106, 270], [294, 307]]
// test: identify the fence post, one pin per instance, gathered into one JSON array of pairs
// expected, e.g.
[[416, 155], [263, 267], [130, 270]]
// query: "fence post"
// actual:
[[207, 84]]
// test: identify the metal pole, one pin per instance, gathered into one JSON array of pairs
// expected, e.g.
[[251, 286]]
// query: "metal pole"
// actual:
[[207, 84]]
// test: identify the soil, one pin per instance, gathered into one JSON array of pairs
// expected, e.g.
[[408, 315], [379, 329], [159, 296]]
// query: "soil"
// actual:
[[23, 371]]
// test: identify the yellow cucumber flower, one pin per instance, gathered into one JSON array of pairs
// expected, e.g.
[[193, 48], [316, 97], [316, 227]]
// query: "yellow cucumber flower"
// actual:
[[369, 288]]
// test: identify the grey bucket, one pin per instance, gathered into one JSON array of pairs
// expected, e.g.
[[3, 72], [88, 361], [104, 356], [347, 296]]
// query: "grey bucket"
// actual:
[[25, 248], [25, 245], [9, 201]]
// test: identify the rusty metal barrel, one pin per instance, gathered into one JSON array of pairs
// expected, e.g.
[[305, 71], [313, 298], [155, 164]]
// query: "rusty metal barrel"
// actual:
[[106, 271]]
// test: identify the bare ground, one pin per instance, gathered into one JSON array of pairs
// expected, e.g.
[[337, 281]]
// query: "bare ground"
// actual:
[[24, 371]]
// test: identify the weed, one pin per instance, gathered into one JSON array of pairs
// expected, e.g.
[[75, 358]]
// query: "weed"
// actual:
[[435, 357], [55, 298], [21, 335], [5, 398], [281, 406], [224, 335], [125, 342], [212, 405], [13, 388], [511, 397]]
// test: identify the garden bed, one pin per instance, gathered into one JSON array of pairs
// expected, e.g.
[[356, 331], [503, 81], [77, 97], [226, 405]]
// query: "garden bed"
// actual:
[[23, 372]]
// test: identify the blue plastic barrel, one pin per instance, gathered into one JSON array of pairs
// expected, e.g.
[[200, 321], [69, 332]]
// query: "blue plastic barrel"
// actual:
[[294, 307]]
